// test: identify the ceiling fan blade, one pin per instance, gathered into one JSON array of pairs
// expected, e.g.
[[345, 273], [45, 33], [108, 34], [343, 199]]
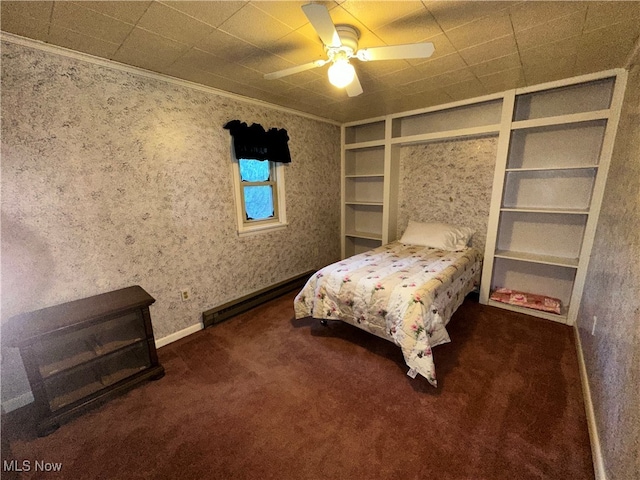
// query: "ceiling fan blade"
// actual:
[[354, 88], [396, 52], [321, 21], [292, 70]]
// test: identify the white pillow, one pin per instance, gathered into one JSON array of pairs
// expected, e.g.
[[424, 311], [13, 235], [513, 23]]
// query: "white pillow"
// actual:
[[437, 235]]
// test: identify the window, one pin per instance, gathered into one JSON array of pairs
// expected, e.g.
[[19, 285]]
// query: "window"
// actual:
[[258, 175], [259, 192]]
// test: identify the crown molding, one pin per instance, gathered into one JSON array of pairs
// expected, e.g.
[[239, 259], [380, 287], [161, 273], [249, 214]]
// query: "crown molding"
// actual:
[[85, 57]]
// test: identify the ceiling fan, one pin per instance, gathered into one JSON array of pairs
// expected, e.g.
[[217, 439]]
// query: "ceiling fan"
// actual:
[[341, 45]]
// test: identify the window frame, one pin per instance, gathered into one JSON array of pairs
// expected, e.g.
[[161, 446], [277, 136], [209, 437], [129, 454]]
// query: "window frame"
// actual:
[[279, 220]]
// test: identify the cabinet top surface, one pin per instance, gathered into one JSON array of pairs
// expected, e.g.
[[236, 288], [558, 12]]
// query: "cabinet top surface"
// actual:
[[26, 327]]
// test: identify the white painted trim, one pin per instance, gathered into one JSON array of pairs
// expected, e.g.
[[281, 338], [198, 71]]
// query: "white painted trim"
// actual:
[[161, 342], [447, 106], [597, 194], [567, 119], [502, 154], [357, 123], [85, 57], [264, 226], [361, 145], [596, 450], [565, 82], [343, 195], [481, 131], [17, 402]]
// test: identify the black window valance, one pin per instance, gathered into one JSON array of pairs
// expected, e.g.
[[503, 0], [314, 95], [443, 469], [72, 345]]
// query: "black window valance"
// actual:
[[254, 143]]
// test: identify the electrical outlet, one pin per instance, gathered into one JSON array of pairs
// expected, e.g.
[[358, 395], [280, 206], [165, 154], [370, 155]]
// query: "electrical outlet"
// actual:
[[185, 294]]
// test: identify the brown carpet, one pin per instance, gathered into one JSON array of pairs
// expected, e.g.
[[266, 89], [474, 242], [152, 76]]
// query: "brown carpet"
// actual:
[[266, 396]]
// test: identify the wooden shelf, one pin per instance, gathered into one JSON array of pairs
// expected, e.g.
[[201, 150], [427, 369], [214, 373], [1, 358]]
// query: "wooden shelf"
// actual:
[[69, 363]]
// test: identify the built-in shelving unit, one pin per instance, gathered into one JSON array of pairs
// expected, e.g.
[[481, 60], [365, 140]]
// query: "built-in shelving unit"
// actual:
[[554, 146], [363, 186], [549, 180], [371, 157]]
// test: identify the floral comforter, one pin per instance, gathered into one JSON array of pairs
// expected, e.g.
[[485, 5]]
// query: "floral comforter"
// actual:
[[404, 293]]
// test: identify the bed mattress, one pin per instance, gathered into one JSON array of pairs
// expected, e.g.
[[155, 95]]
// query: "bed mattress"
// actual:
[[403, 293]]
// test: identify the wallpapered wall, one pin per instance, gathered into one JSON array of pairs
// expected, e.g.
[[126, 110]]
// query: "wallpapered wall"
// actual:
[[111, 179], [448, 182], [612, 356]]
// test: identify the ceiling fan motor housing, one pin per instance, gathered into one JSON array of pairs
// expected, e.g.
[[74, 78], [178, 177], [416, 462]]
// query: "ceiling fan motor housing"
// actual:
[[349, 36]]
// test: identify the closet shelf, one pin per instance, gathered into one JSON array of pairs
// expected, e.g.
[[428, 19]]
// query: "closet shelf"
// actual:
[[537, 258]]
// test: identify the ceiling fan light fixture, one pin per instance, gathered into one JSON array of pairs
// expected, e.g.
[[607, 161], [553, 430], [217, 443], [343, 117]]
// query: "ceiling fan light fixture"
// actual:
[[341, 73]]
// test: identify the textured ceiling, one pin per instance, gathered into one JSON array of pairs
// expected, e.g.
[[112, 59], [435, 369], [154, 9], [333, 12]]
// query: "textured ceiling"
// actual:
[[481, 47]]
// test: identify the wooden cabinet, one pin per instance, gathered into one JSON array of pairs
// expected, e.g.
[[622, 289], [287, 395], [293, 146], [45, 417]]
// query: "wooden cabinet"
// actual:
[[548, 189], [83, 352]]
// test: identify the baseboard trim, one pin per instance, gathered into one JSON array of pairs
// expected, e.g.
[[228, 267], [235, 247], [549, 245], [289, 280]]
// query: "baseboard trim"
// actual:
[[174, 337], [276, 290], [596, 450]]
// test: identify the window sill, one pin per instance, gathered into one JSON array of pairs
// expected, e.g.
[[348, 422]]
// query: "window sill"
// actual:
[[248, 231]]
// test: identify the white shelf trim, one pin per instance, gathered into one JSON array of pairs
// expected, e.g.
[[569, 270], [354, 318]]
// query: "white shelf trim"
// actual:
[[537, 258], [562, 318], [562, 119], [559, 211], [365, 235], [553, 169], [361, 145], [360, 202], [492, 129], [364, 175], [590, 77]]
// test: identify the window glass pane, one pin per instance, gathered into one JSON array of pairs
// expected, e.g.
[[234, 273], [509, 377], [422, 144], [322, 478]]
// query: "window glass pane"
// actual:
[[254, 170], [258, 202]]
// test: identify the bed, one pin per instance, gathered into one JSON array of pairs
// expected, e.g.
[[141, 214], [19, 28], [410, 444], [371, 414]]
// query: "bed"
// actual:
[[404, 291]]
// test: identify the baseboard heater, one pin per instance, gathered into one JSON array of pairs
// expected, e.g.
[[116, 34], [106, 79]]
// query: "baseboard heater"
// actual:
[[241, 305]]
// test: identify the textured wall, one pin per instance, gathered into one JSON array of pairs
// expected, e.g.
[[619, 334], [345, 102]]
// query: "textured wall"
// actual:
[[448, 182], [111, 179], [612, 293]]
